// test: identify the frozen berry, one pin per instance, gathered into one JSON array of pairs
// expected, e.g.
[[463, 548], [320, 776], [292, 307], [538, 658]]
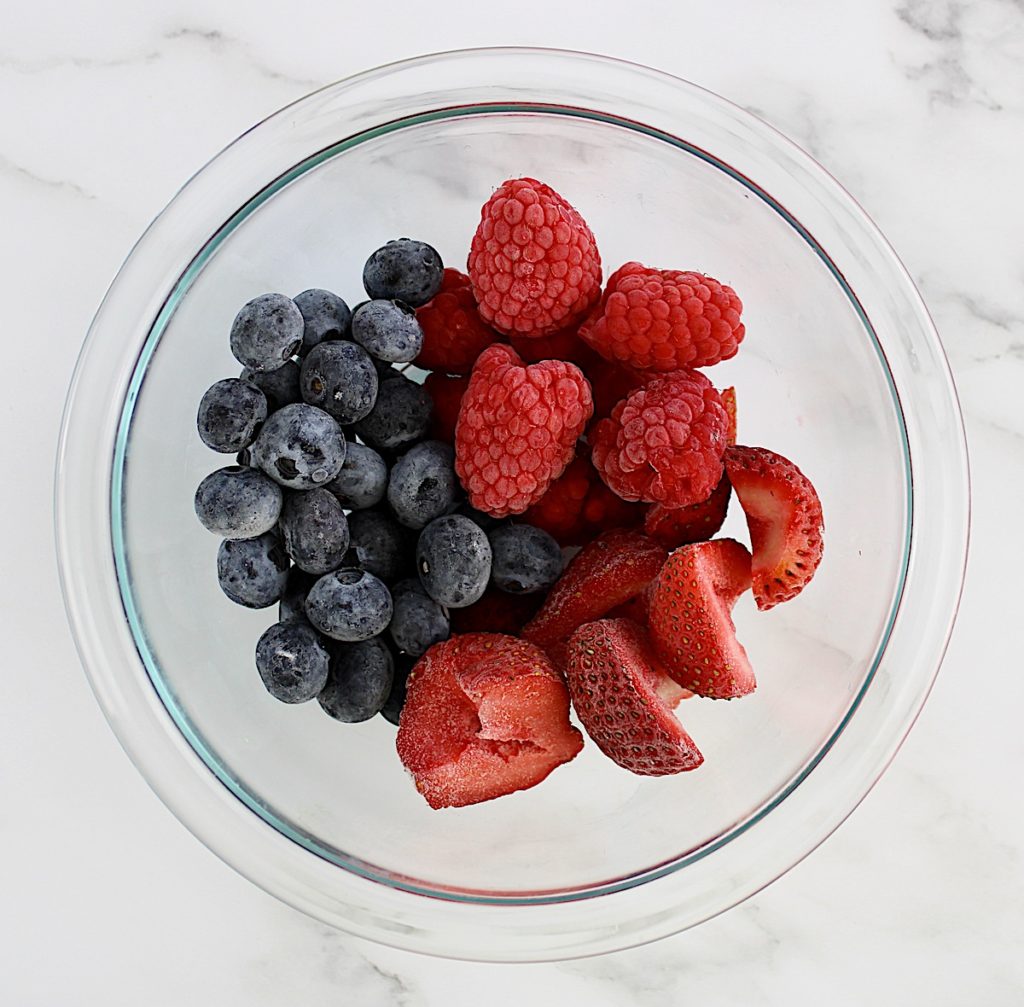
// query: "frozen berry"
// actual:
[[340, 378], [526, 559], [280, 386], [446, 391], [315, 530], [387, 330], [230, 414], [292, 661], [400, 417], [454, 334], [418, 620], [238, 502], [423, 484], [293, 602], [349, 605], [267, 332], [363, 479], [253, 571], [381, 545], [403, 270], [391, 711], [359, 681], [300, 447], [453, 558], [324, 316]]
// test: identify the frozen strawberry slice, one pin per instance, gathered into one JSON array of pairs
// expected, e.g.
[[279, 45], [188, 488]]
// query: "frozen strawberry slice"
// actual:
[[696, 523], [729, 401], [485, 715], [624, 699], [784, 518], [690, 622], [496, 612]]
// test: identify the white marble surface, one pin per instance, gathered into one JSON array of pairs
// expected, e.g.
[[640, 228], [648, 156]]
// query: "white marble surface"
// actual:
[[106, 107]]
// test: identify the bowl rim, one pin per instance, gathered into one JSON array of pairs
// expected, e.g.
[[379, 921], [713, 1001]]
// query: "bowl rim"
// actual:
[[144, 292]]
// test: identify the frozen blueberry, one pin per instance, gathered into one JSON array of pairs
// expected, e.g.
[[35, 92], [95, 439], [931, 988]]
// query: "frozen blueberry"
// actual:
[[526, 559], [238, 502], [392, 708], [385, 371], [300, 447], [381, 545], [404, 270], [315, 530], [230, 414], [363, 479], [359, 681], [293, 602], [388, 330], [486, 521], [267, 332], [349, 605], [453, 559], [324, 315], [418, 621], [400, 417], [340, 378], [280, 386], [253, 571], [423, 484], [292, 661]]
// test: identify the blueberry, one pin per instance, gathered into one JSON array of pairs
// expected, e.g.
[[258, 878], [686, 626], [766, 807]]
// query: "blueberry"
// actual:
[[453, 558], [300, 447], [315, 531], [381, 545], [292, 661], [253, 571], [404, 270], [230, 414], [340, 378], [392, 708], [418, 621], [324, 315], [281, 386], [363, 479], [293, 602], [526, 559], [267, 332], [486, 521], [423, 484], [238, 502], [385, 371], [359, 681], [388, 330], [400, 417], [349, 605]]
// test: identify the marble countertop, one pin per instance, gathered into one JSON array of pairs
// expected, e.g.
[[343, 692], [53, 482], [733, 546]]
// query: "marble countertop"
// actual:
[[917, 107]]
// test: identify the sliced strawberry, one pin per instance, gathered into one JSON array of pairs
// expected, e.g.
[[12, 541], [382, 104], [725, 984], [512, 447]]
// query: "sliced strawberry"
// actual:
[[729, 401], [613, 568], [446, 393], [485, 715], [696, 523], [690, 621], [784, 518], [496, 612], [619, 693]]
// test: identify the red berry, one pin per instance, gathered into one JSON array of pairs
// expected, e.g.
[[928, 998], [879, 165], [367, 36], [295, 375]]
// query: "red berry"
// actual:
[[446, 393], [561, 345], [784, 518], [485, 715], [729, 401], [517, 429], [610, 384], [664, 319], [496, 612], [689, 618], [616, 685], [664, 442], [696, 523], [533, 262], [454, 334]]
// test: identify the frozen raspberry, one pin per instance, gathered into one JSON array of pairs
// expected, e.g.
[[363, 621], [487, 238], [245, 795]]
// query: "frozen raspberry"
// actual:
[[517, 429], [663, 319], [454, 334], [664, 443], [564, 344], [610, 383], [446, 392], [533, 262]]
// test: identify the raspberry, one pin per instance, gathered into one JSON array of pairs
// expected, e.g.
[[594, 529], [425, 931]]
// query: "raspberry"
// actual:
[[454, 334], [610, 383], [664, 443], [518, 428], [446, 392], [663, 319], [533, 262], [564, 344]]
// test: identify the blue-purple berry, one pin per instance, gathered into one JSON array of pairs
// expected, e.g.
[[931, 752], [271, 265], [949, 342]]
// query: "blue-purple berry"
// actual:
[[418, 622], [266, 332], [400, 417], [359, 681], [349, 605], [423, 484], [292, 661], [363, 479], [388, 330], [238, 502], [253, 571], [339, 377], [526, 559], [280, 386], [404, 270], [231, 412], [292, 607], [380, 544], [453, 560], [315, 530], [324, 316], [300, 447]]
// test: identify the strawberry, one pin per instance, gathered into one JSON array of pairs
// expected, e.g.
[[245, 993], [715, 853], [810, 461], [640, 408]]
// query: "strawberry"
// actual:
[[616, 687], [496, 612], [613, 568], [784, 518], [696, 523], [485, 715], [729, 401], [689, 618]]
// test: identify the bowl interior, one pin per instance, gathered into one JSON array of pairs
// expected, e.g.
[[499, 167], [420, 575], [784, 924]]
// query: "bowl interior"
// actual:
[[811, 382]]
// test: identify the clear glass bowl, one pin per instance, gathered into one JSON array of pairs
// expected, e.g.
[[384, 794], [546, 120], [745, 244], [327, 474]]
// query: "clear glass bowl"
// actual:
[[841, 370]]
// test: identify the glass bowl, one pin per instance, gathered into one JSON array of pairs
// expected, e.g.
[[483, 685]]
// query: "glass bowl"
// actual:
[[841, 370]]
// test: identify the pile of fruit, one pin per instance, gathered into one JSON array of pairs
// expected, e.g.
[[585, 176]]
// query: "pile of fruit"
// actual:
[[414, 535]]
